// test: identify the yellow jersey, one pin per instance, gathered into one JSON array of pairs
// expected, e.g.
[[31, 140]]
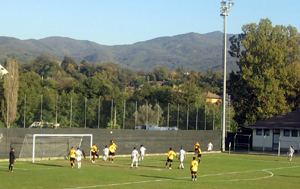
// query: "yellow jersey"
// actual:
[[94, 149], [171, 154], [113, 148], [197, 145], [194, 166], [199, 151], [72, 153]]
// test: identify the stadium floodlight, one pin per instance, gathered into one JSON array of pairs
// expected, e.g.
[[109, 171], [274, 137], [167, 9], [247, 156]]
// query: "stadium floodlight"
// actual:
[[224, 13], [52, 145]]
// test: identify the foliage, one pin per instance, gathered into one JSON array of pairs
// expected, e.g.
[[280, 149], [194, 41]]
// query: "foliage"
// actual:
[[267, 84], [11, 86]]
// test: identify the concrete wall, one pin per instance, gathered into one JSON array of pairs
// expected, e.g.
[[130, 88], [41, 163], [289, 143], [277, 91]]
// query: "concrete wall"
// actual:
[[260, 141], [154, 141]]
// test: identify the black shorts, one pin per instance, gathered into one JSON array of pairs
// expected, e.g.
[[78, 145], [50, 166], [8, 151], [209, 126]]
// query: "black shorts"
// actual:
[[193, 172], [72, 159], [94, 153], [169, 160], [112, 153], [199, 155], [11, 162]]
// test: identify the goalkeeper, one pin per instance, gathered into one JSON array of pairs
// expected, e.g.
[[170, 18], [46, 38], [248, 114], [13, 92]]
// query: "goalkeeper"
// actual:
[[94, 151]]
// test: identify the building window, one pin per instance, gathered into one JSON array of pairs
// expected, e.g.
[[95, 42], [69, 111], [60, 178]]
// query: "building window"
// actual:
[[286, 133], [266, 132], [294, 133], [258, 131]]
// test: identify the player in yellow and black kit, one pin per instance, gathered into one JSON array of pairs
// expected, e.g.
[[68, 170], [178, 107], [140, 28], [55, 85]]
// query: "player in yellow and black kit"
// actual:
[[196, 147], [171, 155], [112, 151], [199, 155], [194, 169], [72, 154], [94, 151]]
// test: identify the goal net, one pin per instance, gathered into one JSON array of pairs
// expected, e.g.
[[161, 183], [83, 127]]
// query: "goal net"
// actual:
[[53, 145], [242, 142], [284, 145]]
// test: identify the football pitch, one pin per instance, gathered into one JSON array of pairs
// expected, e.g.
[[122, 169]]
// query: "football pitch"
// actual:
[[215, 171]]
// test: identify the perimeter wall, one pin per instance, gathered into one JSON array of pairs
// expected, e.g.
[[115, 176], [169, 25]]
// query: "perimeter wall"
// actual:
[[154, 141]]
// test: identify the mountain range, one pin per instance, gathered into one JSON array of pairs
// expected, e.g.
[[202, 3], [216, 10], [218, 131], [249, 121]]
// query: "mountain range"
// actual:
[[191, 51]]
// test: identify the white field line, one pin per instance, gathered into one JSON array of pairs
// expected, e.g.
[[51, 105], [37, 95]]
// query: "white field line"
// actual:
[[14, 168], [161, 180], [256, 160]]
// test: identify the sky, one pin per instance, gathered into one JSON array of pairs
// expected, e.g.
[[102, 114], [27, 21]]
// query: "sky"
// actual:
[[119, 22]]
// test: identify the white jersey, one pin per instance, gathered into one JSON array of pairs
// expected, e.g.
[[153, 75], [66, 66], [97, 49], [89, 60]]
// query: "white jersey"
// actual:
[[134, 155], [142, 150], [291, 152], [182, 154], [210, 146], [79, 155], [105, 151]]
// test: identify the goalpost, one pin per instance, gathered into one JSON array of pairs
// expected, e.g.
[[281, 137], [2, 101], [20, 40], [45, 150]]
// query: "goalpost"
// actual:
[[53, 145], [243, 141]]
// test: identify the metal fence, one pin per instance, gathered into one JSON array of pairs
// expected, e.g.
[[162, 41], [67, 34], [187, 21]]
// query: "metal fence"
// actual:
[[69, 112]]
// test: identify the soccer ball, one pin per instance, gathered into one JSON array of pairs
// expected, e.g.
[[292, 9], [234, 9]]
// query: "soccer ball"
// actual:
[[111, 132]]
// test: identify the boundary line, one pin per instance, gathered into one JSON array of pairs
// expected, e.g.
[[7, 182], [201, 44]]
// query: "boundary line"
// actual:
[[234, 180]]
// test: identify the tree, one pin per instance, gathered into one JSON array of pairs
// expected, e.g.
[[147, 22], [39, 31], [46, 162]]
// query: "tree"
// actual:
[[11, 87], [69, 65], [268, 80]]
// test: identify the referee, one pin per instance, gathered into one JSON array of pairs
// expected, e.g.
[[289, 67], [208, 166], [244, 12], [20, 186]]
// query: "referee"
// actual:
[[12, 160]]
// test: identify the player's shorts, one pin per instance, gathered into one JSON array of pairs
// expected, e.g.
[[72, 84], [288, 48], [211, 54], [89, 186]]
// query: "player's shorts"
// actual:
[[142, 154], [112, 153], [193, 172], [72, 159], [182, 158], [94, 153], [135, 159], [199, 155], [209, 149], [11, 162], [169, 160], [290, 155], [78, 158]]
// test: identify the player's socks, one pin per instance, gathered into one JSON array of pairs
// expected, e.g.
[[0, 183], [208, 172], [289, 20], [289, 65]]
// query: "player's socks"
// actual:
[[136, 165], [131, 165]]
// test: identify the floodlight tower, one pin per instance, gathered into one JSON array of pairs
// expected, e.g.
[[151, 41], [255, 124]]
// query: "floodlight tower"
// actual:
[[225, 7]]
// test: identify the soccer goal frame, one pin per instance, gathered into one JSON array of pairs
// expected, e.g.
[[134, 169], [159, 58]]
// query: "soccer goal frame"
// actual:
[[58, 135], [245, 141]]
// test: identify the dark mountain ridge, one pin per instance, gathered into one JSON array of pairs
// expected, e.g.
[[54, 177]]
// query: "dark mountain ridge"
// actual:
[[192, 51]]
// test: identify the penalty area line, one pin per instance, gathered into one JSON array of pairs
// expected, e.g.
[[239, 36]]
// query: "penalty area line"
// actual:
[[218, 174]]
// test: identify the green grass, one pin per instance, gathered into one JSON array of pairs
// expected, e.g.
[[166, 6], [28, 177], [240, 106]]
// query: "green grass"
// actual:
[[216, 171]]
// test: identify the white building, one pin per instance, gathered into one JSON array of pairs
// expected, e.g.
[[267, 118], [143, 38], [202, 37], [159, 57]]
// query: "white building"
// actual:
[[281, 131]]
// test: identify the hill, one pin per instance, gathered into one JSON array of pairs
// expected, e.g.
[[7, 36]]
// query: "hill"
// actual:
[[192, 51]]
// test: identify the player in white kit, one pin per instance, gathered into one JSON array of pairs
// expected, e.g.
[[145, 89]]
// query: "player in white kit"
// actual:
[[135, 158], [143, 152], [79, 156], [210, 147], [291, 153], [105, 153], [182, 157]]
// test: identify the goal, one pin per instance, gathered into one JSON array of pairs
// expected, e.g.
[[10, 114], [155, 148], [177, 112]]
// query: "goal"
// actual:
[[54, 145], [242, 142], [285, 145]]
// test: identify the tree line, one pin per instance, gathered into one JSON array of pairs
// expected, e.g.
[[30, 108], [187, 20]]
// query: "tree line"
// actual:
[[266, 85]]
